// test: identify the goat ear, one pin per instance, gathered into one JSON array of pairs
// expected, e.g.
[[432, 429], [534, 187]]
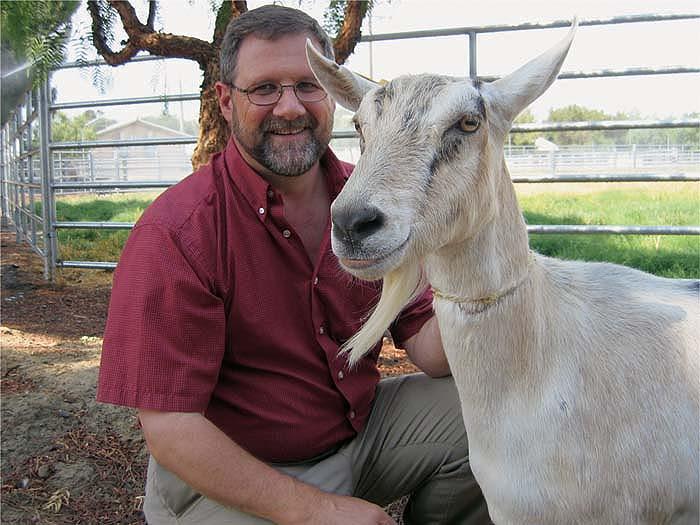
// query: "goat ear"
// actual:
[[343, 85], [513, 93]]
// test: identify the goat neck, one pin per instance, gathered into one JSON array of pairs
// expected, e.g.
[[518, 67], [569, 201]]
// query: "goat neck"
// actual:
[[490, 263]]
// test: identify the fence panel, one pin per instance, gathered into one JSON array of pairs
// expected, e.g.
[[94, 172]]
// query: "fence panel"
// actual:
[[34, 169]]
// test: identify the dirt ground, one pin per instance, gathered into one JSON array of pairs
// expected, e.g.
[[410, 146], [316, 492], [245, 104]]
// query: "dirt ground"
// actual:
[[65, 458]]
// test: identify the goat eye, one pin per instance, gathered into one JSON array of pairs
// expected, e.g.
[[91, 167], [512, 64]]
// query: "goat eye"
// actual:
[[468, 124]]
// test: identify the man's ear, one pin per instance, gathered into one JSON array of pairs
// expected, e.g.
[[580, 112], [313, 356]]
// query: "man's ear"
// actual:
[[224, 95], [343, 85]]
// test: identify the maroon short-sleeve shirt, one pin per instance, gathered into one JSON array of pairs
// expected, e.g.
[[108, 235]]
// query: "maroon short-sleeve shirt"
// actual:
[[217, 308]]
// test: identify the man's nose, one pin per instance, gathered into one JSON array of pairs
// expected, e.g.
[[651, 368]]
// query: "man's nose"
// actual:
[[289, 106]]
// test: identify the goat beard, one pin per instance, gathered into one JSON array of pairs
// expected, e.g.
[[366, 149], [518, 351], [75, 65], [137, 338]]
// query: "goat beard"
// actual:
[[293, 158], [401, 286]]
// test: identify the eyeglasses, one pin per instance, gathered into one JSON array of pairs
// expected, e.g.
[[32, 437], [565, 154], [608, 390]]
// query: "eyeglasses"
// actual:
[[270, 93]]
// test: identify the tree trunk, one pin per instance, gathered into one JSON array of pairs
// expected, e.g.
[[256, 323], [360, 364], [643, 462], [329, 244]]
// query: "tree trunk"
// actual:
[[214, 131], [350, 32]]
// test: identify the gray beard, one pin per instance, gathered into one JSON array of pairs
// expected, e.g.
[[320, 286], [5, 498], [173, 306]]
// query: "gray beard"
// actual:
[[290, 160]]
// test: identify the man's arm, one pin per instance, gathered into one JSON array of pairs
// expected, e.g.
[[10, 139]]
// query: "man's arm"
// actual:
[[200, 454], [425, 350]]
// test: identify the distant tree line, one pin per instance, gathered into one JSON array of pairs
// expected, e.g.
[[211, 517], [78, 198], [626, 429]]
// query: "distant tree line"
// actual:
[[575, 113]]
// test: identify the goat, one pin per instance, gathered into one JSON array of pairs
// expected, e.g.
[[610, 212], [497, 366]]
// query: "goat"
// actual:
[[579, 382]]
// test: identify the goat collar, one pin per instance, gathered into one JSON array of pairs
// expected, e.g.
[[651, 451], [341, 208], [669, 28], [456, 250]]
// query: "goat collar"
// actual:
[[476, 306]]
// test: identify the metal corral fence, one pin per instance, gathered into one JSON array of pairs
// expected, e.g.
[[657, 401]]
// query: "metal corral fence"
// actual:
[[35, 169]]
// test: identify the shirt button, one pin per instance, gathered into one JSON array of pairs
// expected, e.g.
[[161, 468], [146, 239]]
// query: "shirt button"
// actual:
[[341, 375], [321, 330], [286, 233], [352, 414], [261, 211], [315, 281], [270, 193]]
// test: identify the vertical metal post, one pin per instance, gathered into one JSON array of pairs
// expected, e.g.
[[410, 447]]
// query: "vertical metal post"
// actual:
[[22, 175], [48, 212], [3, 174], [15, 180], [30, 169], [472, 55]]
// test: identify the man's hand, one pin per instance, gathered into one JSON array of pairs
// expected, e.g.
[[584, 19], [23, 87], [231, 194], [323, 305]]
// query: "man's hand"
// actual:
[[344, 510]]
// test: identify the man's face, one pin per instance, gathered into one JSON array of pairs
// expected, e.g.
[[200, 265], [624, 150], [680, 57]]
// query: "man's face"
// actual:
[[286, 138]]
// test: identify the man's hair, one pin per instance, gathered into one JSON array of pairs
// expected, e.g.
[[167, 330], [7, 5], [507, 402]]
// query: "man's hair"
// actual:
[[268, 22]]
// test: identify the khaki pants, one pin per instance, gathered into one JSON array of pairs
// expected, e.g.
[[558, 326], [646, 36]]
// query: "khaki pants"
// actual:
[[414, 443]]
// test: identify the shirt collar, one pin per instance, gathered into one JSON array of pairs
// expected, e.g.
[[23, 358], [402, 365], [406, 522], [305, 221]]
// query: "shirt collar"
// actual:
[[257, 190]]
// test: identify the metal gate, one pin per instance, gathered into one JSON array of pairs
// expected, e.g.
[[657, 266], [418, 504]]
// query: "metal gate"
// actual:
[[32, 165]]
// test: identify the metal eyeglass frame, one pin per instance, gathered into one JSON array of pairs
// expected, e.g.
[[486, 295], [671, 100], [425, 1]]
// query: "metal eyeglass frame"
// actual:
[[280, 90]]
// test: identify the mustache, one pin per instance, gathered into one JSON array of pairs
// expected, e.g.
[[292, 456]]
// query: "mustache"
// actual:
[[276, 125]]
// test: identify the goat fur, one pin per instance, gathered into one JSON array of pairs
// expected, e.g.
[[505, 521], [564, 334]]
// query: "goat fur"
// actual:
[[580, 384]]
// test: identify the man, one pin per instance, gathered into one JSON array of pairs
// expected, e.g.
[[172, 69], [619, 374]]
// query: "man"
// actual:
[[227, 313]]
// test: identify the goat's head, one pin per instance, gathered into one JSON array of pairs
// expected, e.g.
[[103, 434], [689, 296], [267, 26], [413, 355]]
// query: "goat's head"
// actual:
[[430, 146]]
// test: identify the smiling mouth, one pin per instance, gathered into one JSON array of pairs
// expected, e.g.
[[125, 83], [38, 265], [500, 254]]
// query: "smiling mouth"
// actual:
[[288, 132]]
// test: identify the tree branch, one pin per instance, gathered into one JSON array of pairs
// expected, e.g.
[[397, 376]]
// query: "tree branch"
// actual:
[[144, 38], [350, 32], [100, 41], [152, 8]]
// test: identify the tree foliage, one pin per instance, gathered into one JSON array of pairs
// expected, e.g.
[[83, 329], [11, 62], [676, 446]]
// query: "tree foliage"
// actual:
[[78, 128], [575, 113], [34, 37], [37, 32], [523, 139]]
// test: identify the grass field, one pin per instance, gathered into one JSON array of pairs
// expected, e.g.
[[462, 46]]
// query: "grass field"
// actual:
[[675, 204]]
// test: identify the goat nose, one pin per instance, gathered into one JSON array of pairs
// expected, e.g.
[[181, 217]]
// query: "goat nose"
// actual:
[[356, 224]]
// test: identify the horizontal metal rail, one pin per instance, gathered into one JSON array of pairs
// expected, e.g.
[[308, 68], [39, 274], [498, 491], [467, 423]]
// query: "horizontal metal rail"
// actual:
[[33, 185], [103, 225], [602, 125], [112, 185], [131, 142], [565, 75], [631, 71], [101, 62], [606, 125], [125, 101], [605, 73], [601, 73], [534, 229], [87, 265], [610, 229], [456, 31], [597, 177]]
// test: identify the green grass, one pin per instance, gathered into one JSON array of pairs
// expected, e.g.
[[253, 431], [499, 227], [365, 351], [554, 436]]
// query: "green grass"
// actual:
[[665, 255], [97, 245], [667, 204]]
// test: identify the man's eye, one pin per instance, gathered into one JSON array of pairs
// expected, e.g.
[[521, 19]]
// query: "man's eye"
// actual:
[[307, 87], [264, 89]]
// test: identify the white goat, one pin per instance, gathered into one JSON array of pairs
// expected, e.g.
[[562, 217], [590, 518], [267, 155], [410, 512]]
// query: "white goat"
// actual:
[[579, 382]]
